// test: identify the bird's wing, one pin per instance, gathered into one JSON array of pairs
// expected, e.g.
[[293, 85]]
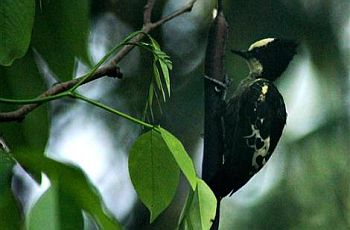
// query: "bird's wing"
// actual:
[[254, 122]]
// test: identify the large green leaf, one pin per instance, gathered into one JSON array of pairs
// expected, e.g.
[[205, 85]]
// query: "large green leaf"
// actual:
[[61, 211], [16, 22], [73, 182], [21, 80], [153, 172], [60, 34], [180, 155], [10, 214]]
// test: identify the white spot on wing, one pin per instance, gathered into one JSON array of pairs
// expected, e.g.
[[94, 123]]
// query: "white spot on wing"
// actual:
[[264, 89], [263, 151]]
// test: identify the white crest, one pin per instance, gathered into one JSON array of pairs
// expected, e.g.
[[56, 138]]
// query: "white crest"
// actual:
[[261, 43]]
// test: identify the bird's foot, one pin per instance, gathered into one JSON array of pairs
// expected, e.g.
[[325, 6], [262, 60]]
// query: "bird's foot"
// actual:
[[223, 84]]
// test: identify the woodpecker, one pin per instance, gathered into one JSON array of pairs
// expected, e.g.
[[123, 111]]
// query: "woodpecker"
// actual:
[[254, 118]]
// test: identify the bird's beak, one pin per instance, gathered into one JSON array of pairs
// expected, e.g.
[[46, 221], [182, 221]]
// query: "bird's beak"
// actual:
[[242, 53]]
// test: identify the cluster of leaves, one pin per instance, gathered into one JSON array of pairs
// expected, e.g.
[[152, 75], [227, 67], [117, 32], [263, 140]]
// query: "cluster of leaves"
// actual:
[[165, 64], [160, 75], [69, 193], [155, 160]]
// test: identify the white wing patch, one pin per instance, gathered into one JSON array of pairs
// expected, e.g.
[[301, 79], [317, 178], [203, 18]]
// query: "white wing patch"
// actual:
[[264, 90], [254, 140], [262, 151]]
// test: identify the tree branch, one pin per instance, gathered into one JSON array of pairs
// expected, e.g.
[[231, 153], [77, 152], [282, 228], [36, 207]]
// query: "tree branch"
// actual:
[[186, 8], [214, 94], [109, 69], [147, 14], [20, 113]]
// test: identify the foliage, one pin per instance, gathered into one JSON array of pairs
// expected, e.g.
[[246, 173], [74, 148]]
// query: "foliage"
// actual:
[[70, 192], [200, 208], [153, 172], [155, 160], [9, 209], [15, 31], [154, 163]]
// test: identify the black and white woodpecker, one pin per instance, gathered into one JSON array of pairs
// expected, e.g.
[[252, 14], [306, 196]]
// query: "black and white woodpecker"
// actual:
[[254, 118]]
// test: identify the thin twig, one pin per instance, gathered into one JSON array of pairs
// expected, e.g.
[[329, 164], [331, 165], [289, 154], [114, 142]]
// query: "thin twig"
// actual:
[[109, 109], [186, 8], [147, 13], [20, 113], [109, 69]]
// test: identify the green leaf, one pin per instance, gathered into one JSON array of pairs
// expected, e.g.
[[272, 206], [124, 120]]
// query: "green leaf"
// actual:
[[21, 81], [61, 211], [166, 76], [200, 208], [163, 59], [60, 34], [164, 62], [203, 209], [180, 155], [10, 214], [74, 183], [158, 79], [16, 23], [150, 95], [153, 172], [131, 36], [149, 102], [155, 44]]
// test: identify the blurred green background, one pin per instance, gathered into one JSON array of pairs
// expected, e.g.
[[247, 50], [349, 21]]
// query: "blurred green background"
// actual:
[[306, 184]]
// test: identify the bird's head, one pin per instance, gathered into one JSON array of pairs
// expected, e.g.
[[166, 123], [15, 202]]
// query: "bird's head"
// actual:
[[269, 57]]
